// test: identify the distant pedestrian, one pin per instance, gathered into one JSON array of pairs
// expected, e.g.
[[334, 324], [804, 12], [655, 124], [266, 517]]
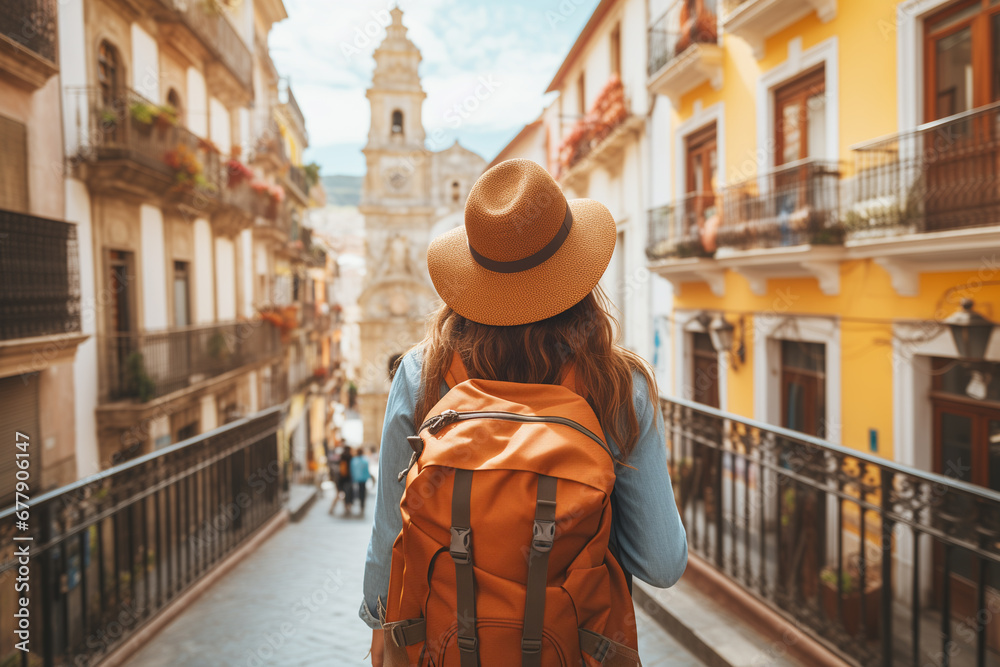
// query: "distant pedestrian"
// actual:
[[360, 475]]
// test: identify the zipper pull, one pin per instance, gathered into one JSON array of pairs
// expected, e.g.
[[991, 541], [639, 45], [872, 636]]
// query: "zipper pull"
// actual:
[[442, 420]]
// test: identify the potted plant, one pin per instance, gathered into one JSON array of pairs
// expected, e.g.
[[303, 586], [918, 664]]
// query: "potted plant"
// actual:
[[238, 173], [165, 117], [138, 384], [144, 114], [850, 599]]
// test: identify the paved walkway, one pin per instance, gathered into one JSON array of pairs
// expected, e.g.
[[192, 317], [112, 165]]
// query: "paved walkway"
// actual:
[[294, 603]]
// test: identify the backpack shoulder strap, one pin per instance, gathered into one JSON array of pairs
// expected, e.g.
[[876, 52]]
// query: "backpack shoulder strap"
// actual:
[[457, 374]]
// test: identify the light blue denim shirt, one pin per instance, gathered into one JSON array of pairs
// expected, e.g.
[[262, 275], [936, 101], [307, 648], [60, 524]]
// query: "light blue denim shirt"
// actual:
[[651, 538]]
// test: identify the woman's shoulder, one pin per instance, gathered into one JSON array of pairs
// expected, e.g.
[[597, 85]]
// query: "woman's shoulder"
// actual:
[[640, 393]]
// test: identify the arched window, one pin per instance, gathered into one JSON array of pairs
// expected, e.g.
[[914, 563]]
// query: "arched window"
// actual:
[[397, 122], [174, 101], [108, 71], [456, 191]]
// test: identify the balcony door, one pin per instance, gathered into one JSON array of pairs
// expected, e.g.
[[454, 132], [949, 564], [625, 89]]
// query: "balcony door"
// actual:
[[967, 448], [962, 73], [121, 323], [800, 138], [803, 387], [701, 166], [705, 370]]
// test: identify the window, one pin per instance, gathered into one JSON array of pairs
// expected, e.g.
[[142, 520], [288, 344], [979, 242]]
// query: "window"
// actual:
[[962, 47], [108, 72], [800, 118], [13, 165], [397, 122], [701, 166], [121, 277], [616, 50], [705, 370], [581, 94], [456, 192], [182, 294], [803, 387]]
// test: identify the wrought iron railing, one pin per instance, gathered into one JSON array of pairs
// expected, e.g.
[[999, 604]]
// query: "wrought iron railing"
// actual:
[[209, 24], [941, 176], [111, 551], [297, 177], [32, 24], [787, 516], [144, 366], [675, 230], [271, 144], [125, 126], [795, 204], [674, 33], [39, 277]]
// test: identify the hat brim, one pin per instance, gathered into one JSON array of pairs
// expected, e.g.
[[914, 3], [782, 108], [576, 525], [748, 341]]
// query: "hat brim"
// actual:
[[509, 299]]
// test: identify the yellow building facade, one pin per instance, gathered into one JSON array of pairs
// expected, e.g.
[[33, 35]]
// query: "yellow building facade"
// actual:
[[825, 192]]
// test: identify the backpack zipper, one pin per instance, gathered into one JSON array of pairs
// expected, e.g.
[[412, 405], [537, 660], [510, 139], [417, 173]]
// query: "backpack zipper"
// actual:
[[438, 422]]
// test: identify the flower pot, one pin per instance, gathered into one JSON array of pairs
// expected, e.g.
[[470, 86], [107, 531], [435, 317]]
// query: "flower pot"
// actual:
[[851, 609]]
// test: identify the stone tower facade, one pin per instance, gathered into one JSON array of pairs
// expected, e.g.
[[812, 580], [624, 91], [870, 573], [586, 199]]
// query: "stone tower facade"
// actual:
[[409, 195]]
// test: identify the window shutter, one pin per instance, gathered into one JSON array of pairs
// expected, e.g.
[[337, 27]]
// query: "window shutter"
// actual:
[[13, 165]]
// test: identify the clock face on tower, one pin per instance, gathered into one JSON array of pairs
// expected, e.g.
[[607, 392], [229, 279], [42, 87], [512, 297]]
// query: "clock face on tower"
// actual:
[[396, 175]]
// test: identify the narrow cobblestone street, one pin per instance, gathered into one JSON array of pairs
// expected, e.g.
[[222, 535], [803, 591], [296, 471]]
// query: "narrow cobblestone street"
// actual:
[[294, 603]]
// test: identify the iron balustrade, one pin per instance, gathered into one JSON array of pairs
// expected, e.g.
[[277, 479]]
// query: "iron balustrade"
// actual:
[[208, 23], [112, 126], [672, 34], [271, 144], [675, 230], [795, 204], [111, 551], [787, 516], [297, 177], [943, 175], [148, 365], [32, 24], [293, 108], [39, 276]]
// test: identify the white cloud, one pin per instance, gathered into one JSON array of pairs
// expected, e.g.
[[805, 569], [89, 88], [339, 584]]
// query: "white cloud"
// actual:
[[326, 48]]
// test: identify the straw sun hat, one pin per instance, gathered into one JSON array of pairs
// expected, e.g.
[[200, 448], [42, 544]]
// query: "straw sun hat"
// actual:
[[525, 252]]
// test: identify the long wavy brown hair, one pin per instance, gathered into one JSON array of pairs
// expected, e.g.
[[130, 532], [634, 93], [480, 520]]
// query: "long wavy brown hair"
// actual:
[[583, 336]]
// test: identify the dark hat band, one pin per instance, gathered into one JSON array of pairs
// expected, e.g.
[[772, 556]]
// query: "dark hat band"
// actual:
[[533, 260]]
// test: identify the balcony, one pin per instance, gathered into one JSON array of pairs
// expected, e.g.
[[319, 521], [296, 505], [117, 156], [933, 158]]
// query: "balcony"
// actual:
[[756, 20], [600, 137], [927, 199], [131, 146], [145, 366], [298, 184], [684, 53], [133, 541], [858, 551], [784, 224], [28, 40], [677, 233], [230, 75], [796, 204], [39, 292], [269, 148]]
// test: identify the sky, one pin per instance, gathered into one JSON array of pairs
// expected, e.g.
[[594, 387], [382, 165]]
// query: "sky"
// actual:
[[514, 47]]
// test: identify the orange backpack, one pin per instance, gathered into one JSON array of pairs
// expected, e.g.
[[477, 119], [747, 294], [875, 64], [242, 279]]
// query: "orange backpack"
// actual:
[[503, 558]]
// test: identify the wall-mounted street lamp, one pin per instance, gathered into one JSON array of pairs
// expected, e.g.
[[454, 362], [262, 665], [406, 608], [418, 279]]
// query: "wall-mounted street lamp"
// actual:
[[723, 334], [971, 332]]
